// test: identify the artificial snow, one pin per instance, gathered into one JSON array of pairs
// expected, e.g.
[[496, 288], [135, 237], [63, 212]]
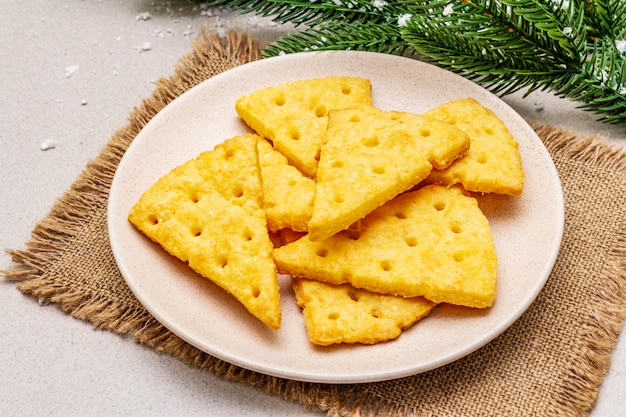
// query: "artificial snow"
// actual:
[[70, 70]]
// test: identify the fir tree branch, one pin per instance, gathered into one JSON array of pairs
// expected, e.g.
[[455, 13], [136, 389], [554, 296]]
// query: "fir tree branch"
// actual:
[[606, 18], [314, 12], [341, 36], [532, 47], [572, 48]]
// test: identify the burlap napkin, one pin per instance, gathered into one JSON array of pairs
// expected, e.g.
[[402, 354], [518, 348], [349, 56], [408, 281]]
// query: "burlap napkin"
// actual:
[[550, 362]]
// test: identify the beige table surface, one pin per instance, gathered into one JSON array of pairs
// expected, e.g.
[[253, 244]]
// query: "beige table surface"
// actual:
[[50, 363]]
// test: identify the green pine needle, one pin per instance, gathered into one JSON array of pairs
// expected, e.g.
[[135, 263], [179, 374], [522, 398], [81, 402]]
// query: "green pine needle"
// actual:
[[572, 48]]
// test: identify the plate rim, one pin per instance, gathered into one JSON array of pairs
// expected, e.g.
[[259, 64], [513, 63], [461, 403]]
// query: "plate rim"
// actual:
[[269, 369]]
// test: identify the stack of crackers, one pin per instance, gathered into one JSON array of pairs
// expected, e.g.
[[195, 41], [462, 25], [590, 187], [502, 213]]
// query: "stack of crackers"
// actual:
[[372, 214]]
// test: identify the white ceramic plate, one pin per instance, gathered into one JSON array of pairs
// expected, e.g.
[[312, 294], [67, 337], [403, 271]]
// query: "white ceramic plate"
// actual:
[[527, 229]]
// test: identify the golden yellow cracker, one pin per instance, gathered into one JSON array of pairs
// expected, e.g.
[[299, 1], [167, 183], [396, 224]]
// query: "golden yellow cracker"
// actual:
[[433, 242], [293, 116], [344, 314], [209, 212], [288, 193], [370, 157], [493, 163]]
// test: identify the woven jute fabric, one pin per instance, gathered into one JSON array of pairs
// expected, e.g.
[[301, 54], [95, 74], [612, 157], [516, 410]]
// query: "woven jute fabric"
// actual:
[[549, 363]]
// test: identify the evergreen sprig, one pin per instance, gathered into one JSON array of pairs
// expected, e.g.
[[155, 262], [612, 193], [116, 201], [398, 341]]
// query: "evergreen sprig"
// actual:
[[573, 48]]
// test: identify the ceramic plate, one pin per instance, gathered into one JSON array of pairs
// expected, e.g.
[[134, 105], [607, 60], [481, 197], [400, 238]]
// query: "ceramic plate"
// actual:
[[527, 229]]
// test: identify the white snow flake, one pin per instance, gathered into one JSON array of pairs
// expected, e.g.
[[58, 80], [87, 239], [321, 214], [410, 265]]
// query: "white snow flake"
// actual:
[[403, 19]]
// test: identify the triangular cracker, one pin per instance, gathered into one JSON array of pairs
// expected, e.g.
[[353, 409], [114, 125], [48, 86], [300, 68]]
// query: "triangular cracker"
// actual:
[[208, 212], [493, 163], [293, 115], [370, 156], [288, 193], [344, 314], [433, 242]]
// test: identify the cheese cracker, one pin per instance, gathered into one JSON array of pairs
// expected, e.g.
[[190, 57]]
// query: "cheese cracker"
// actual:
[[288, 193], [493, 163], [293, 116], [433, 242], [209, 213], [370, 157], [344, 314]]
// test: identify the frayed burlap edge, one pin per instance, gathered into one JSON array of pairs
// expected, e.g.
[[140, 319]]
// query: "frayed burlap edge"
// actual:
[[88, 196], [580, 388], [51, 236]]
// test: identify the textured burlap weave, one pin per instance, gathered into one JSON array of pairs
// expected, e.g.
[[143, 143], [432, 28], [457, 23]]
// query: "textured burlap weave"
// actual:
[[550, 362]]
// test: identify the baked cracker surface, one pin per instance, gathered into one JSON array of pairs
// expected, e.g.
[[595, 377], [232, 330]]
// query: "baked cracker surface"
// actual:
[[209, 213], [434, 242], [343, 314], [293, 116], [287, 192], [371, 156], [493, 163]]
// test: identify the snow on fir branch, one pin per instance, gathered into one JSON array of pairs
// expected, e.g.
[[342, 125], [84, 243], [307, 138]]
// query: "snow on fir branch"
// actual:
[[572, 48]]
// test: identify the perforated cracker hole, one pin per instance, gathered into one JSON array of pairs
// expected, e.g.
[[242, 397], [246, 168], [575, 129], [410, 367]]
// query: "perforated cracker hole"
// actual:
[[292, 182], [353, 234], [488, 130], [247, 236], [458, 257], [294, 134], [439, 206], [228, 152], [333, 316], [336, 164], [338, 198], [279, 101], [355, 118], [237, 191], [456, 228], [194, 197], [400, 215], [345, 89], [354, 294], [482, 159], [370, 141], [378, 170], [196, 231], [385, 266], [322, 252], [320, 111], [222, 261], [424, 132], [256, 292], [153, 219], [411, 241], [376, 313]]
